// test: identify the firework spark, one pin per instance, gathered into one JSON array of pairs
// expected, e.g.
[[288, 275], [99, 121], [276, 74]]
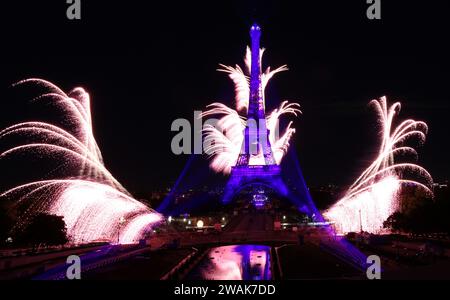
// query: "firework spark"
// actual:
[[373, 197], [91, 201], [223, 141]]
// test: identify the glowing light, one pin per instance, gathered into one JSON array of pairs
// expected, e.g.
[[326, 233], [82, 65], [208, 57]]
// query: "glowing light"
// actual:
[[92, 202], [169, 219], [373, 197], [223, 142], [200, 224]]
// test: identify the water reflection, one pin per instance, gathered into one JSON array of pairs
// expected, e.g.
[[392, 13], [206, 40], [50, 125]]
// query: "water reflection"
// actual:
[[235, 262]]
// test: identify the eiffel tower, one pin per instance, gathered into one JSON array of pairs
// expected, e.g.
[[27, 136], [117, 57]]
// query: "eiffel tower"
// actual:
[[256, 144]]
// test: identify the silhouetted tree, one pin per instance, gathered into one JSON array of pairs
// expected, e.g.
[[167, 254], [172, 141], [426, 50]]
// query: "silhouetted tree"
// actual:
[[43, 229], [421, 214], [396, 222]]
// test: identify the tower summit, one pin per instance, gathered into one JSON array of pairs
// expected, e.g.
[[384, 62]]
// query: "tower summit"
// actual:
[[255, 166], [256, 104], [256, 135]]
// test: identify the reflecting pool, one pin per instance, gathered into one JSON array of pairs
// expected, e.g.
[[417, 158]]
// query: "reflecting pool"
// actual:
[[234, 262]]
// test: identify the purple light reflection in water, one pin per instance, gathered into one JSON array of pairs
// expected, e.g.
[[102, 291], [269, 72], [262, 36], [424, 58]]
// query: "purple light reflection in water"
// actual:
[[235, 262]]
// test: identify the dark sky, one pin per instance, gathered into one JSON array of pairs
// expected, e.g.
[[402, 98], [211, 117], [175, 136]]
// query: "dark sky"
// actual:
[[146, 64]]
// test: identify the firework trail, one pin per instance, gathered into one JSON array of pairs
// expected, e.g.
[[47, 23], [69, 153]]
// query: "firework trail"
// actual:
[[223, 141], [93, 203], [373, 197]]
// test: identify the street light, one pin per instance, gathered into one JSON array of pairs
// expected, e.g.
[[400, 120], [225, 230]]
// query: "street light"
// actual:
[[121, 222], [360, 222], [200, 224]]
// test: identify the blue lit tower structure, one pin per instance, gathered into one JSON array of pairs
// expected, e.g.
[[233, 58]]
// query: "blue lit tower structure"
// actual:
[[256, 137]]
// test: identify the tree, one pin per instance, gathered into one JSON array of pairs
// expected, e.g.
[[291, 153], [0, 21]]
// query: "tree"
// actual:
[[43, 229], [397, 222], [421, 214]]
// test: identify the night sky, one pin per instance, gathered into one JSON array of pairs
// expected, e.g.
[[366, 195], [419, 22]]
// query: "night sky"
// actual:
[[146, 64]]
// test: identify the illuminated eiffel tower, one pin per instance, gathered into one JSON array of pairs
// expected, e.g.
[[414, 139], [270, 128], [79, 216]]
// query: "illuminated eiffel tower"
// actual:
[[256, 137]]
